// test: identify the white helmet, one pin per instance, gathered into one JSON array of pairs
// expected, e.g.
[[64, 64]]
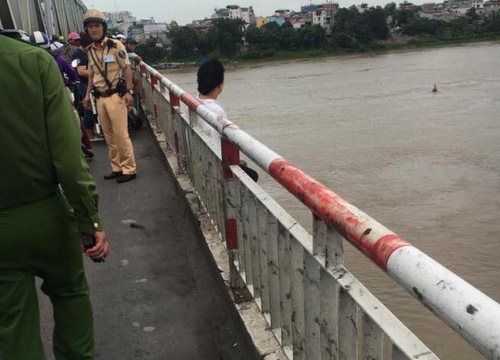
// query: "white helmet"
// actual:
[[39, 38], [56, 45]]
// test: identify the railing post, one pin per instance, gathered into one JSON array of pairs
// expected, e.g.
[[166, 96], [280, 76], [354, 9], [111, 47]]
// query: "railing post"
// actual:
[[231, 156], [175, 103], [186, 162], [161, 113], [142, 71], [328, 244], [154, 81], [328, 250]]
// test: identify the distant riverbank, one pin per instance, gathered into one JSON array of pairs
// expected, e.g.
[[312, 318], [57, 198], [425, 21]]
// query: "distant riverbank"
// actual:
[[393, 45]]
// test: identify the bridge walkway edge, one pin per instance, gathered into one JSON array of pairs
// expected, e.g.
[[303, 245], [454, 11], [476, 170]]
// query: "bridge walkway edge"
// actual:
[[159, 295], [263, 339]]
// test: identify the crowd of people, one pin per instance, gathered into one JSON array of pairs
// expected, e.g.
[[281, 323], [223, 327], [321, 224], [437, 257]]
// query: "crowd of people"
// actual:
[[71, 56]]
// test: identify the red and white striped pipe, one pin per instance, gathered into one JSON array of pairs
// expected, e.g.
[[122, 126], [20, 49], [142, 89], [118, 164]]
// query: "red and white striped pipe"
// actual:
[[472, 314]]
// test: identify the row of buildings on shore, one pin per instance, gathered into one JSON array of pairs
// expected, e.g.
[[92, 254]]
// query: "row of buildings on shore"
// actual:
[[452, 9], [309, 15], [321, 14]]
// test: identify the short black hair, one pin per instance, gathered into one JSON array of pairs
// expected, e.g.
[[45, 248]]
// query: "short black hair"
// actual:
[[210, 75]]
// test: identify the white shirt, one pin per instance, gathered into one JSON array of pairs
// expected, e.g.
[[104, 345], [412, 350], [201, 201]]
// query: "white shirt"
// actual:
[[214, 106]]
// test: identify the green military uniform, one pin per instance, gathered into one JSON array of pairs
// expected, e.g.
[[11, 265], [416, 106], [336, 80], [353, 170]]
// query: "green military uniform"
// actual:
[[39, 226]]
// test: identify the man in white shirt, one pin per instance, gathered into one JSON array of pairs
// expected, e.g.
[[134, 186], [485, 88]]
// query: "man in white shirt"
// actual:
[[210, 86]]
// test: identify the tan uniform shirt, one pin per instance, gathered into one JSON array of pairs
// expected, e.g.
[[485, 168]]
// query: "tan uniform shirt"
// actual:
[[112, 60]]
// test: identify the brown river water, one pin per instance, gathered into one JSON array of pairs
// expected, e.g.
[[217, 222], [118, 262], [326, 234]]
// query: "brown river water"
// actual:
[[425, 165]]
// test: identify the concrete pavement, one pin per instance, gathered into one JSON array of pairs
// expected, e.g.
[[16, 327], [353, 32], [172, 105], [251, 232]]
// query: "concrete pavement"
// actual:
[[159, 295]]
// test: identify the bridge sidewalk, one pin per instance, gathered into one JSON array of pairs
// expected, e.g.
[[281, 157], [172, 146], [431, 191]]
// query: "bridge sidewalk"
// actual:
[[159, 295]]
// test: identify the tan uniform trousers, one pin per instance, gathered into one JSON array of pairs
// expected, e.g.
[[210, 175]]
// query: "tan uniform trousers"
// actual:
[[112, 112]]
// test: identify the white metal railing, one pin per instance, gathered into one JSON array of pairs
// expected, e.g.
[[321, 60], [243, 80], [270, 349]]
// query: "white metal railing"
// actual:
[[315, 307]]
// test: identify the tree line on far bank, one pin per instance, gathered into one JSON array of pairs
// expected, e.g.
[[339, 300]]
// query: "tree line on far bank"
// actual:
[[353, 31]]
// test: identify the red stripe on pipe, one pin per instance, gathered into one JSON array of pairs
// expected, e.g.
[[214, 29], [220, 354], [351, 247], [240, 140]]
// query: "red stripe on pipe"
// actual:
[[154, 81], [334, 211], [190, 101], [384, 247], [230, 156], [174, 101], [231, 234]]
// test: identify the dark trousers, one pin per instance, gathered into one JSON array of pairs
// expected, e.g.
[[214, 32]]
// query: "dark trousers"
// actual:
[[89, 119], [85, 138]]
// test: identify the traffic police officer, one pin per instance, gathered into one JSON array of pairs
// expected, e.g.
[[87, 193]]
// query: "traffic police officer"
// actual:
[[41, 226], [108, 60]]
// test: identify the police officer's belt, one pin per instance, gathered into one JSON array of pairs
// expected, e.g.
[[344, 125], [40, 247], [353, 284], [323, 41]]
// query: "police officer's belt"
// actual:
[[107, 93]]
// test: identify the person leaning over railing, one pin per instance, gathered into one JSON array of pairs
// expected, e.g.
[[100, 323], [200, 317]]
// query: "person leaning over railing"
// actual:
[[41, 227], [210, 79]]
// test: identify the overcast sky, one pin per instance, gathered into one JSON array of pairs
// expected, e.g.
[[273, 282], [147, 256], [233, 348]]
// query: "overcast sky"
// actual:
[[184, 11]]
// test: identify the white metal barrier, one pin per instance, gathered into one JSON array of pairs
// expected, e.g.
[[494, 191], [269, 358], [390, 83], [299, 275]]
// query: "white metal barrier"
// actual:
[[315, 307]]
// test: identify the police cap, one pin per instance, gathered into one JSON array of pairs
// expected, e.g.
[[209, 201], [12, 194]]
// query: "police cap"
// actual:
[[94, 15]]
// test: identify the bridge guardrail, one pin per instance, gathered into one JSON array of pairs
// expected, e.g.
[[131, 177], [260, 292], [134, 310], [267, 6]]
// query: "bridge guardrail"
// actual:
[[316, 308]]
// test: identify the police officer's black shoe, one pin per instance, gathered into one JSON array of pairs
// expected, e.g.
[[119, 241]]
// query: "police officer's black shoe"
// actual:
[[113, 175], [125, 178]]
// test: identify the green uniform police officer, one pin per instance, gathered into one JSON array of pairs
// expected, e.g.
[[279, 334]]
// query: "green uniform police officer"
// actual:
[[41, 226]]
